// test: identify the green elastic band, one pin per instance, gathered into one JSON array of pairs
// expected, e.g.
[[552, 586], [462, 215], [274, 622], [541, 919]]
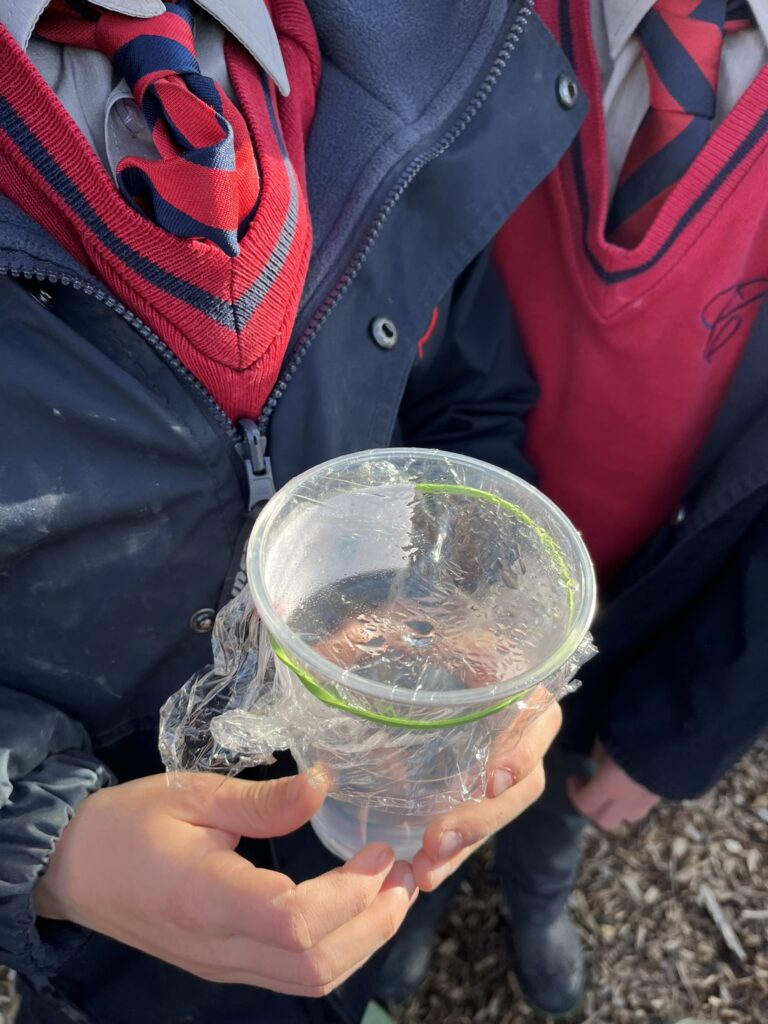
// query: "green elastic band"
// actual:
[[546, 538], [331, 700], [401, 723]]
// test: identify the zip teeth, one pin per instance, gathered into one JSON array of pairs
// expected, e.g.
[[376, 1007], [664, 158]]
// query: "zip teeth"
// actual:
[[494, 72]]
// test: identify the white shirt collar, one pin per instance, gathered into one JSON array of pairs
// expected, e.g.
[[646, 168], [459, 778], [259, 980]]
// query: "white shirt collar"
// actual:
[[623, 16], [247, 20]]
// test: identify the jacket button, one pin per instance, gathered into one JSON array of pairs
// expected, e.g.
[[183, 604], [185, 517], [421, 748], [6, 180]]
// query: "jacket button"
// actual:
[[44, 297], [567, 92], [384, 332], [679, 517], [202, 620]]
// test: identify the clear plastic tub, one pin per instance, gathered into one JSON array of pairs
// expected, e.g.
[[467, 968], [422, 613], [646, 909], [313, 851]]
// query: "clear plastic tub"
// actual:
[[419, 604]]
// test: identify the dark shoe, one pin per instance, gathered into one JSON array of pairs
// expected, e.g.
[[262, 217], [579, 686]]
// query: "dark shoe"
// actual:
[[405, 968], [549, 964], [410, 951]]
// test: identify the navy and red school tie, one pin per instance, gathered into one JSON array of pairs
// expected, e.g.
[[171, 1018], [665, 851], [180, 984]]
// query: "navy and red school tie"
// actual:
[[206, 184], [681, 44]]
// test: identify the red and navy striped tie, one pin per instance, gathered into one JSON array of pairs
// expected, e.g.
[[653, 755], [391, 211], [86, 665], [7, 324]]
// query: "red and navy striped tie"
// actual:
[[681, 43], [206, 184]]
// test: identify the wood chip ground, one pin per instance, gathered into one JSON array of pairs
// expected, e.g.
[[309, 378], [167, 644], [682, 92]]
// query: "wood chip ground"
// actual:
[[674, 914]]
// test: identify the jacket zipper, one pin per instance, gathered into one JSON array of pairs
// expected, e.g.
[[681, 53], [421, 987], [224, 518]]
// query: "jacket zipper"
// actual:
[[303, 344], [249, 438]]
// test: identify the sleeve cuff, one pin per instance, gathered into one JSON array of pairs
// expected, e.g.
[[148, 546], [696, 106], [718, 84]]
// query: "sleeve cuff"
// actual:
[[34, 815]]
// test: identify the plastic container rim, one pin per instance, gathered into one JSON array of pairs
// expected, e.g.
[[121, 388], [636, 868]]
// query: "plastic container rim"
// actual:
[[349, 680]]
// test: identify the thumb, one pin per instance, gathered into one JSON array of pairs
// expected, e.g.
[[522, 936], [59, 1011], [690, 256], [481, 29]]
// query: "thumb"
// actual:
[[262, 810]]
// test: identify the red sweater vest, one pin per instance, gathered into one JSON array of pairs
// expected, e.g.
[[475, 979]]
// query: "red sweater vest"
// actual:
[[634, 349]]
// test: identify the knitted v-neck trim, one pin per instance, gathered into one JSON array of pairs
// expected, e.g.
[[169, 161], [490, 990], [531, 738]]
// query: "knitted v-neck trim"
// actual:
[[698, 196], [121, 238]]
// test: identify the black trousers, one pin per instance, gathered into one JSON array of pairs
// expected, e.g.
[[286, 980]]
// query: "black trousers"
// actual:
[[179, 1001], [538, 854]]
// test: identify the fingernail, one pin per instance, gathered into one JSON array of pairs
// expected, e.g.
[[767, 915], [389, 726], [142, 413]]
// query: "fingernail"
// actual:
[[502, 780], [407, 881], [450, 844], [384, 858]]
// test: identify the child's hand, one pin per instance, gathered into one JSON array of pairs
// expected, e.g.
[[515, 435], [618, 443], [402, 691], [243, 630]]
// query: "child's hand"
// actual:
[[610, 797], [155, 867], [516, 781]]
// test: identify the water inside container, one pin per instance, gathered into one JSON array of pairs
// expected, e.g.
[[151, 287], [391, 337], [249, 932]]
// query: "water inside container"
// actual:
[[432, 588], [408, 629]]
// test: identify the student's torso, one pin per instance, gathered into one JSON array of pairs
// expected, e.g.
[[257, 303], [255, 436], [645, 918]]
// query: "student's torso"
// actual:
[[636, 349], [125, 493]]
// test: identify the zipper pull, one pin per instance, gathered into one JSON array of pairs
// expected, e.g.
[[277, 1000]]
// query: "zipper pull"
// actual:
[[258, 469]]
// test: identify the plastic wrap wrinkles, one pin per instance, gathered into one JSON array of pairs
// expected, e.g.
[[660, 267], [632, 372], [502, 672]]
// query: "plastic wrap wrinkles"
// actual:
[[248, 704]]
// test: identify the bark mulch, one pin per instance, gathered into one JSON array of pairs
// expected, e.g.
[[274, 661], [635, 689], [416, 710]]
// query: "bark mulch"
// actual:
[[674, 914]]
